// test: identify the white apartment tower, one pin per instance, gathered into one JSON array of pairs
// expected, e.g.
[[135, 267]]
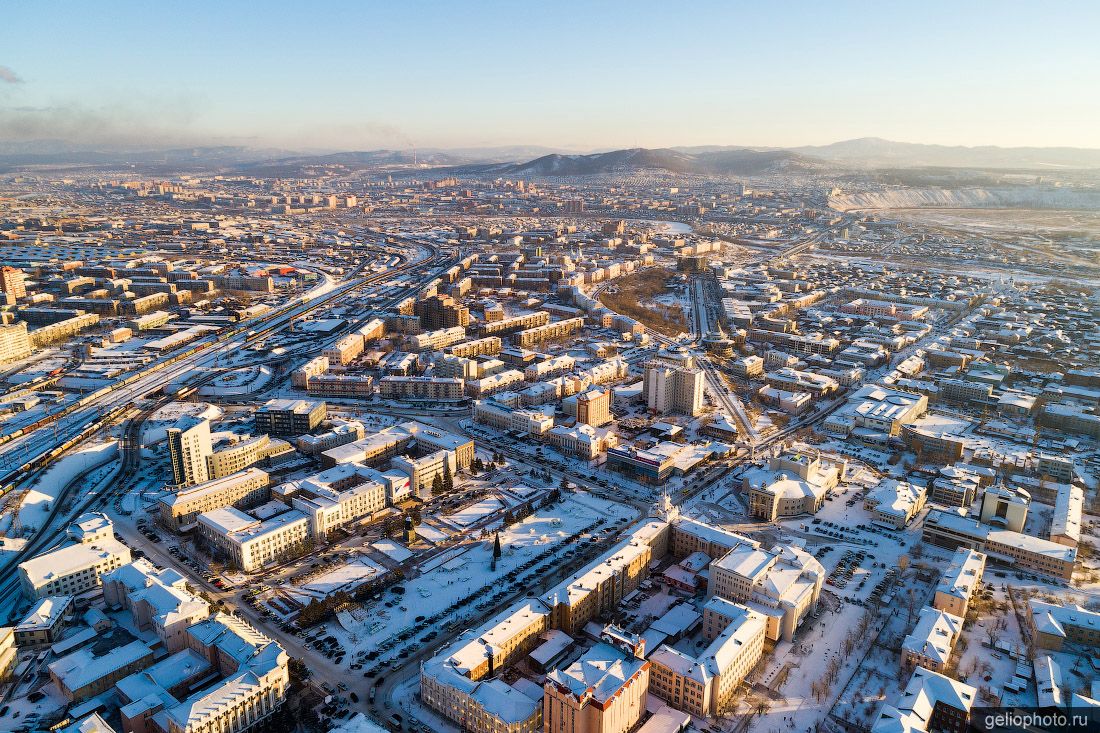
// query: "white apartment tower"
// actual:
[[673, 383], [189, 447]]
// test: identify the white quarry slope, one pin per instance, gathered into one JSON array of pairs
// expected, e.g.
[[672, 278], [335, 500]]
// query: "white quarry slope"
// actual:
[[1021, 197]]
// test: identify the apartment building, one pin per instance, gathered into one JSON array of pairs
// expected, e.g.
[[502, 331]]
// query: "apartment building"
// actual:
[[507, 326], [289, 416], [12, 285], [488, 346], [930, 702], [1053, 626], [672, 384], [194, 461], [932, 640], [73, 569], [351, 386], [549, 332], [345, 350], [250, 544], [247, 488], [315, 367], [14, 342], [962, 577], [498, 382], [8, 652], [429, 389], [45, 621], [438, 339]]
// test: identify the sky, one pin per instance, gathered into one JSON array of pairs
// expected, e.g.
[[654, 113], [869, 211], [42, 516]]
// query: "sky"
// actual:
[[570, 75]]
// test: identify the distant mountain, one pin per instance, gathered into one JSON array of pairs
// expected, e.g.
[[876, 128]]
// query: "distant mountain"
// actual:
[[528, 160], [721, 162], [60, 153], [874, 152]]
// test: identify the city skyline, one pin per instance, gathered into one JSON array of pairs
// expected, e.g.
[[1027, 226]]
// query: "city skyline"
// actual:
[[569, 77]]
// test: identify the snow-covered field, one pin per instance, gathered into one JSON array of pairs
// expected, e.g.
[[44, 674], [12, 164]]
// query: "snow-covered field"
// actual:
[[465, 569], [154, 429]]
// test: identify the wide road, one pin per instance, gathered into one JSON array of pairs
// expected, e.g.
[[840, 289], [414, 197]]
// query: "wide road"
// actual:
[[37, 444]]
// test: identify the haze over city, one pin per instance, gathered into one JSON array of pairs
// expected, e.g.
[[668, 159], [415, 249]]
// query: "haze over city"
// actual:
[[574, 76]]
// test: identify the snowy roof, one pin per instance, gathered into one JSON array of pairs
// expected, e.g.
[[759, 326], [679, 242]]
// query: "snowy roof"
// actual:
[[92, 724], [82, 667], [746, 560], [505, 702], [934, 635], [925, 690], [554, 642], [74, 558], [962, 576], [677, 619], [601, 672], [163, 676], [46, 613], [1049, 618], [1048, 682]]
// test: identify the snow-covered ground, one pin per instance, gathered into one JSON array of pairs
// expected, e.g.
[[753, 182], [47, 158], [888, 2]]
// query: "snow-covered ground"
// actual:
[[89, 465], [154, 429], [465, 569]]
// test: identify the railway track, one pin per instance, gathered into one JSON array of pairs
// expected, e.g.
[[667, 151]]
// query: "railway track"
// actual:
[[130, 446]]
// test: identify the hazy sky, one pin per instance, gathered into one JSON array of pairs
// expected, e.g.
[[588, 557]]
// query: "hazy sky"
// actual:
[[579, 75]]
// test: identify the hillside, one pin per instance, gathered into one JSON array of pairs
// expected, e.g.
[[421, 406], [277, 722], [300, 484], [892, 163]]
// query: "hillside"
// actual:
[[720, 162]]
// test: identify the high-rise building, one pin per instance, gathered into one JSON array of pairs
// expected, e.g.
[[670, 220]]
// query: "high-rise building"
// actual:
[[673, 384], [189, 447], [441, 311], [594, 407], [15, 344], [11, 285]]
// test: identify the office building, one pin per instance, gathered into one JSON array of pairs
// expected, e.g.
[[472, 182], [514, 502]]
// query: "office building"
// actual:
[[179, 511], [602, 692], [158, 600], [703, 684], [793, 483], [249, 544], [336, 497], [1005, 508]]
